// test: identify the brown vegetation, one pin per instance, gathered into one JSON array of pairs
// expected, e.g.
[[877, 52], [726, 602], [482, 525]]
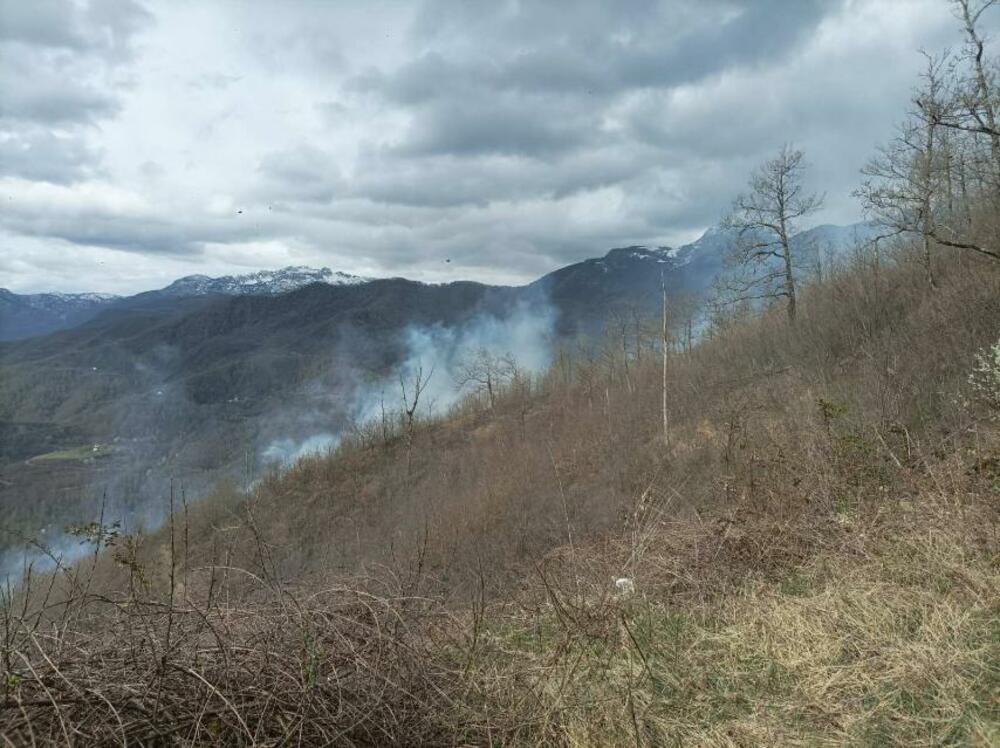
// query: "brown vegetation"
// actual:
[[814, 558]]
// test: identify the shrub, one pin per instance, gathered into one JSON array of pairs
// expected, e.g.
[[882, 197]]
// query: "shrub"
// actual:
[[985, 378]]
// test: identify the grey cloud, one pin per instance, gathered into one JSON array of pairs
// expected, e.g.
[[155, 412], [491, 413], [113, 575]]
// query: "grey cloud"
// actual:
[[38, 154], [494, 124], [302, 173], [539, 79], [55, 59], [45, 22], [106, 25], [765, 31], [215, 81], [450, 181], [116, 22], [309, 174], [522, 113], [140, 233], [523, 238], [153, 237], [151, 170], [594, 48], [42, 89]]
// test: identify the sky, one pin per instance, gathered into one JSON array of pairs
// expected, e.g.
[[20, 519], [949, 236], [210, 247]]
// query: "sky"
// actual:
[[141, 141]]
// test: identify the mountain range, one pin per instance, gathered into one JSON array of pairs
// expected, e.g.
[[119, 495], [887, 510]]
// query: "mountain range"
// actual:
[[265, 282], [31, 315]]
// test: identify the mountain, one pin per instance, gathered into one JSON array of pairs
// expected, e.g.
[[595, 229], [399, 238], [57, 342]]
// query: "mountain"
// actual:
[[628, 277], [838, 239], [632, 273], [266, 282], [634, 276], [29, 315], [186, 390]]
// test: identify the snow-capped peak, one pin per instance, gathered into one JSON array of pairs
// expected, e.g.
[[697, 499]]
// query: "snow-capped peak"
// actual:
[[641, 252], [90, 296], [55, 299], [264, 282]]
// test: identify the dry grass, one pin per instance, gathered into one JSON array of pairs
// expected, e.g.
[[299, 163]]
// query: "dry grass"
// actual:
[[884, 630]]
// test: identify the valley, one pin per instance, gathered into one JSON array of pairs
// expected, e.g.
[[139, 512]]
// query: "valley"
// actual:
[[206, 380]]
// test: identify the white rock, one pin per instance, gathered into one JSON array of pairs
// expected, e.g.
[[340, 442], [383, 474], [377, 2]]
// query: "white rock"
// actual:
[[625, 587]]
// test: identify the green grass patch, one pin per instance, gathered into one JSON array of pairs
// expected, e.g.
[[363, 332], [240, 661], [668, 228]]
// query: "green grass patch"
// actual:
[[85, 452]]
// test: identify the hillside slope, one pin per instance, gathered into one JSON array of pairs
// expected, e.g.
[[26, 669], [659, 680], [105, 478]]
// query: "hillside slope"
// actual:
[[210, 377], [811, 560]]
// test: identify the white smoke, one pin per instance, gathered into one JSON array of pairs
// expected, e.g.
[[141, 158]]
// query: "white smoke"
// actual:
[[287, 451], [526, 333], [51, 549]]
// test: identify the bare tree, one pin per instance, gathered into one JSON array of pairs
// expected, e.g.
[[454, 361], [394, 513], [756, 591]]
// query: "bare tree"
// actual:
[[411, 401], [640, 330], [903, 183], [383, 418], [684, 308], [619, 325], [974, 102], [910, 185], [487, 372], [765, 218]]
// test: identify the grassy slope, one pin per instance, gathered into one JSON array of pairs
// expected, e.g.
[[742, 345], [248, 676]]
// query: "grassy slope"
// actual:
[[889, 639], [815, 560]]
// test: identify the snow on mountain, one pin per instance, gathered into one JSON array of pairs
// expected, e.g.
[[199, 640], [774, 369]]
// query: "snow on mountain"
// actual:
[[714, 242], [26, 315], [263, 283], [691, 267], [656, 254], [639, 270], [642, 253], [56, 300], [30, 315], [827, 239]]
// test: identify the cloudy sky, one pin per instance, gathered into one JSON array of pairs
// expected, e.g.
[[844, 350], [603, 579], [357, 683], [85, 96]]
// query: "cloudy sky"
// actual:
[[142, 140]]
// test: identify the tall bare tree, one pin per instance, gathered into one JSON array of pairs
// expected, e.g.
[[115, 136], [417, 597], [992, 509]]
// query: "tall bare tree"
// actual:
[[411, 401], [939, 179], [977, 95], [765, 218], [904, 185]]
